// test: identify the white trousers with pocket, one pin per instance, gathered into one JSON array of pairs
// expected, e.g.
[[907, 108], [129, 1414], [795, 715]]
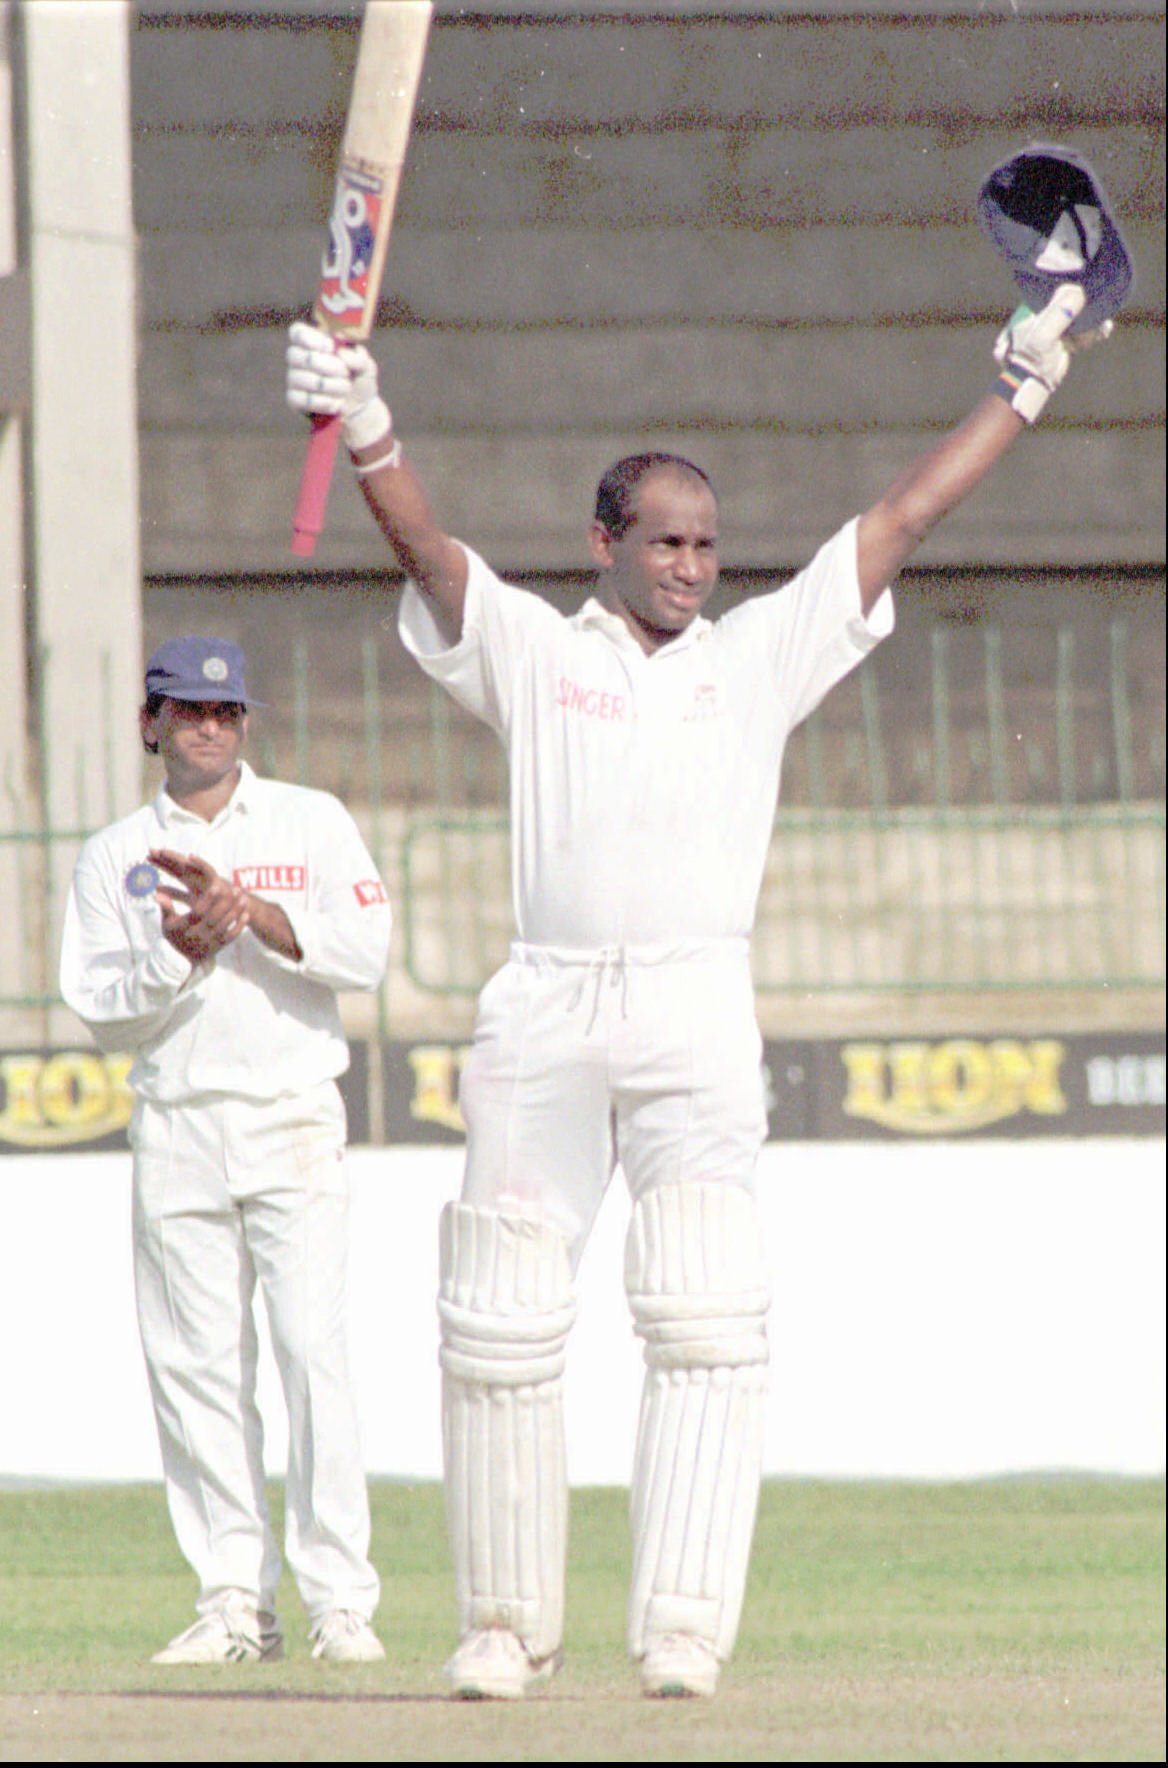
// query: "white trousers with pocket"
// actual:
[[230, 1194], [581, 1060]]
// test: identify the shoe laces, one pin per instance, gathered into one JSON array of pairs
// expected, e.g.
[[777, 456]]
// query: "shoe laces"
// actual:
[[339, 1623], [241, 1625], [244, 1625]]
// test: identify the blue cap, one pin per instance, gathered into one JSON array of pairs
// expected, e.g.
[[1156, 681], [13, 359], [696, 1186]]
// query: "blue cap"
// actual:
[[1045, 214], [198, 669]]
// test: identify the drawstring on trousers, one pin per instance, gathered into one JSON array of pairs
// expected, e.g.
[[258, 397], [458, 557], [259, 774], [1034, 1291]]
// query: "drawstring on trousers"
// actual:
[[613, 964]]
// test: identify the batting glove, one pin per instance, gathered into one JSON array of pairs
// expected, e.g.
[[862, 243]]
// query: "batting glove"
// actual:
[[335, 380], [1035, 352]]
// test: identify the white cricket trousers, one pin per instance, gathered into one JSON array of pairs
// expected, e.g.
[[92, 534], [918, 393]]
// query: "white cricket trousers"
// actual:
[[228, 1193], [580, 1059]]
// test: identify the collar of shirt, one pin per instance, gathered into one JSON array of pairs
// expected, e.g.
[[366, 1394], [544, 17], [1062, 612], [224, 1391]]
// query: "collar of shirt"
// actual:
[[242, 799], [596, 616]]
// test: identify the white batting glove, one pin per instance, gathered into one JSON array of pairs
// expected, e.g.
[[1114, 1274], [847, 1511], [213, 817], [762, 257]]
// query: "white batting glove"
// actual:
[[1035, 353], [335, 380]]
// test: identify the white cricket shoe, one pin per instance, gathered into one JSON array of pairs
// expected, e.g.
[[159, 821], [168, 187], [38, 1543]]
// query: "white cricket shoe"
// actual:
[[346, 1638], [492, 1664], [678, 1664], [234, 1633]]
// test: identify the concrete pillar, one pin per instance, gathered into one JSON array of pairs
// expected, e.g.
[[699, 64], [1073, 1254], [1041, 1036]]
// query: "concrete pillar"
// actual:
[[18, 806], [84, 569], [14, 393]]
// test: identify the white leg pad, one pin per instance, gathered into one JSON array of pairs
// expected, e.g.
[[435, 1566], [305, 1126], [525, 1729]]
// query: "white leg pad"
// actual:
[[506, 1305], [699, 1296]]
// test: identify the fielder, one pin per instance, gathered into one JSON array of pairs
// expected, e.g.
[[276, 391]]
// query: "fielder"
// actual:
[[645, 745], [208, 933]]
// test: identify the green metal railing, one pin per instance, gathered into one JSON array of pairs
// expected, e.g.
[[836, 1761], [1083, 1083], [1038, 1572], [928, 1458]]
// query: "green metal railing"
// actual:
[[974, 855], [901, 901], [992, 836]]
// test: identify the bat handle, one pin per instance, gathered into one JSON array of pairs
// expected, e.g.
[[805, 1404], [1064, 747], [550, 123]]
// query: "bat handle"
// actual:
[[314, 484]]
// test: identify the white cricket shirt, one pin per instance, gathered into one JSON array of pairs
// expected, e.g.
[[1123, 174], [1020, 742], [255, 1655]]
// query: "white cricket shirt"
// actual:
[[250, 1022], [643, 788]]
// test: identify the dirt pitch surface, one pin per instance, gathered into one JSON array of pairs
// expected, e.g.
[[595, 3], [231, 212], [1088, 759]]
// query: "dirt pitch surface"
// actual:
[[1024, 1719]]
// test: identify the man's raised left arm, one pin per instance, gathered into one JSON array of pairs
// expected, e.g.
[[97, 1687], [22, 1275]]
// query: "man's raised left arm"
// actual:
[[1033, 352]]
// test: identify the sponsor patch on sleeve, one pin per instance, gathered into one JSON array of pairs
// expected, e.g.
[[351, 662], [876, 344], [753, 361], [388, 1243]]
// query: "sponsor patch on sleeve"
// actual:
[[369, 891]]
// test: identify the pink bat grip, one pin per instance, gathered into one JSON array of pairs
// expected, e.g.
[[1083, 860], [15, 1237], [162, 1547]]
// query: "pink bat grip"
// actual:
[[314, 484]]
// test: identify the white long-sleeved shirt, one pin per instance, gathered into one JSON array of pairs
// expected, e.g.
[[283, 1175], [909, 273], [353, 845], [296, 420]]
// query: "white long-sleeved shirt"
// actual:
[[249, 1022], [643, 787]]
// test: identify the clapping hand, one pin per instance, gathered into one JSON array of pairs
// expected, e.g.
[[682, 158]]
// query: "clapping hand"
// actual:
[[202, 912]]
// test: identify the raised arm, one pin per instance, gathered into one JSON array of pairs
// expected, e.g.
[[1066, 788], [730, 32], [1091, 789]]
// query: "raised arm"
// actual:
[[1033, 354], [342, 381]]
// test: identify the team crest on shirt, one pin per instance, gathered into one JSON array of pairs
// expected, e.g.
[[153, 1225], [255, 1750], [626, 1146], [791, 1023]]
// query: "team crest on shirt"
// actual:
[[706, 703], [142, 879]]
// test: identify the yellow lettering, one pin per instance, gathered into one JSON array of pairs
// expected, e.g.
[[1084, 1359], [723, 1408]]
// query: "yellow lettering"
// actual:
[[1012, 1072], [435, 1100], [70, 1097], [22, 1105], [908, 1065], [961, 1078], [74, 1089], [958, 1084], [864, 1066], [1044, 1093]]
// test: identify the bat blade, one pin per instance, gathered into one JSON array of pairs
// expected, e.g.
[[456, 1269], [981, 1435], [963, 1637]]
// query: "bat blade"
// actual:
[[390, 55]]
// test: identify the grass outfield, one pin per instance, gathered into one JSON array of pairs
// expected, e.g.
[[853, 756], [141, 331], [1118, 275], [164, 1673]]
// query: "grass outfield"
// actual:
[[1007, 1620]]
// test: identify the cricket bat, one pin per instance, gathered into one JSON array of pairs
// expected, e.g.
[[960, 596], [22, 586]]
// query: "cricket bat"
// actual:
[[390, 52]]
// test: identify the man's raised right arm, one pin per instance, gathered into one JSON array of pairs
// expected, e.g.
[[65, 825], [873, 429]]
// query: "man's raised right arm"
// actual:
[[340, 380]]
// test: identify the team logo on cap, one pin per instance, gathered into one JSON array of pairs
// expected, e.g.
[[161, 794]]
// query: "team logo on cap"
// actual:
[[215, 668], [142, 879]]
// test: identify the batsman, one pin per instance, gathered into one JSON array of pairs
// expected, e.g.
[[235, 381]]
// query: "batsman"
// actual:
[[645, 744]]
